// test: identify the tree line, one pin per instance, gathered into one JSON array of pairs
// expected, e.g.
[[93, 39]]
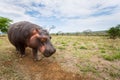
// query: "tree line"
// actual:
[[113, 32], [84, 33]]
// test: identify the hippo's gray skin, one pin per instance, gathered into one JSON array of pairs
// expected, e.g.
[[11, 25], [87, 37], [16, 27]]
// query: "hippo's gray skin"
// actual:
[[25, 34]]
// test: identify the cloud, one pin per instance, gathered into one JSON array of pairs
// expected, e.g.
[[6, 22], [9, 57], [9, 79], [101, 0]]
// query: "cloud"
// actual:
[[16, 13], [66, 15]]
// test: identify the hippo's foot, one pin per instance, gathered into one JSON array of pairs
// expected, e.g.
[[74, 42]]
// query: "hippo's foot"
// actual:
[[38, 58], [18, 52], [22, 55]]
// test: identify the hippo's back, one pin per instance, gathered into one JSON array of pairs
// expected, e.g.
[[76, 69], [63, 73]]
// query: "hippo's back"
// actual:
[[19, 32]]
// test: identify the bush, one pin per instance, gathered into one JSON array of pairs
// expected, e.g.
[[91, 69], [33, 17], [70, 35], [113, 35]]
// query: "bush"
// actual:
[[114, 32]]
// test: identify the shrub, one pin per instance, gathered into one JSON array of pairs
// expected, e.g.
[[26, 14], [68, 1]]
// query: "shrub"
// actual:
[[114, 32]]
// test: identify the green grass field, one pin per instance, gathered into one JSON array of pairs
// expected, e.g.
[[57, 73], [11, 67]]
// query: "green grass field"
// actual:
[[77, 58]]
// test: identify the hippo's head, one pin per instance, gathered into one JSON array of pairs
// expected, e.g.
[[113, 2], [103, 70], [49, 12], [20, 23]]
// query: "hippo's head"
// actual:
[[40, 39]]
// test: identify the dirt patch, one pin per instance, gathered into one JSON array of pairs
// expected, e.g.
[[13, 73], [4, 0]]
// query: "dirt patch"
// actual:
[[46, 69]]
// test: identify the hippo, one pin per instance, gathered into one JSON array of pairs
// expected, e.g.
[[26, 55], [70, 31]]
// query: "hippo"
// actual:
[[26, 34]]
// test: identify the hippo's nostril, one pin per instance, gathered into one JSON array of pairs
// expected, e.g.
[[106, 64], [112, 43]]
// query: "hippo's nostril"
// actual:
[[48, 53], [54, 51]]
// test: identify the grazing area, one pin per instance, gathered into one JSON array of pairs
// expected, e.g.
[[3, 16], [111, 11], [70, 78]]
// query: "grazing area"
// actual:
[[76, 58]]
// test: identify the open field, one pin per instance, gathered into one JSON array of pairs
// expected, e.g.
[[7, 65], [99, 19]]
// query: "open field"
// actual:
[[77, 58]]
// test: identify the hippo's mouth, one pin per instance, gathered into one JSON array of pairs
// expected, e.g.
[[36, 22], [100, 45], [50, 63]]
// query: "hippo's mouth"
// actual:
[[46, 52], [42, 49]]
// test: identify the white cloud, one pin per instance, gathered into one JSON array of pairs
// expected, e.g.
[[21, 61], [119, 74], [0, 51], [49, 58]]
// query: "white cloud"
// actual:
[[93, 23], [16, 13], [72, 8], [72, 15]]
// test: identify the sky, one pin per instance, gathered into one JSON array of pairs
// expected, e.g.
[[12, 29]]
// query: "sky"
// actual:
[[65, 15]]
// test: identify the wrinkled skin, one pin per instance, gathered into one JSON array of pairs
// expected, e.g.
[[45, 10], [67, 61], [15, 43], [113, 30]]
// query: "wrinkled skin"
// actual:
[[25, 34]]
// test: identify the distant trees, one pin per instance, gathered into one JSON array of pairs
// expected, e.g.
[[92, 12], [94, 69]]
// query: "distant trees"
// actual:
[[59, 33], [87, 32], [114, 32], [84, 33], [4, 23]]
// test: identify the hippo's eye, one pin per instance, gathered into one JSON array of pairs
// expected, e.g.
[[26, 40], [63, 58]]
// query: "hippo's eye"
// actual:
[[50, 37]]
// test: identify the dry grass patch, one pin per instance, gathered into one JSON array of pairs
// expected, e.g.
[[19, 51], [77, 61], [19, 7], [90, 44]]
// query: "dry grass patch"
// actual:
[[77, 58]]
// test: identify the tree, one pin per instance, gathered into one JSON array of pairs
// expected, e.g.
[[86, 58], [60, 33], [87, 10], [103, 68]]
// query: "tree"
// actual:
[[118, 30], [4, 23], [77, 33], [59, 32], [87, 32], [114, 32], [52, 27]]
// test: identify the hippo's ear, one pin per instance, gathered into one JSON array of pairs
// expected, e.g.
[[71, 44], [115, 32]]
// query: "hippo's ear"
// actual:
[[34, 32]]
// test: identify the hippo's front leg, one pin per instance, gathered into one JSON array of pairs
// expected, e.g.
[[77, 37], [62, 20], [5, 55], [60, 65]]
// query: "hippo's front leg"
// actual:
[[37, 55]]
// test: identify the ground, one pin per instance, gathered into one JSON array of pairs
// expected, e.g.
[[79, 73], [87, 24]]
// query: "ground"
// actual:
[[76, 58]]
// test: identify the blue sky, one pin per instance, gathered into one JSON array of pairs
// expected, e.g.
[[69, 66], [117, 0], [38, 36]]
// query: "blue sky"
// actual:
[[65, 15]]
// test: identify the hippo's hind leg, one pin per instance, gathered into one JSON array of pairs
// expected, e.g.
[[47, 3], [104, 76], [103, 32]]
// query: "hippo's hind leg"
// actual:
[[17, 49], [20, 50]]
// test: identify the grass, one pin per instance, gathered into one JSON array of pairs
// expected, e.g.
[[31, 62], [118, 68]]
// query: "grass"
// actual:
[[87, 67], [92, 53], [83, 47], [61, 47], [9, 72], [102, 51], [0, 42], [112, 57], [114, 75], [86, 54]]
